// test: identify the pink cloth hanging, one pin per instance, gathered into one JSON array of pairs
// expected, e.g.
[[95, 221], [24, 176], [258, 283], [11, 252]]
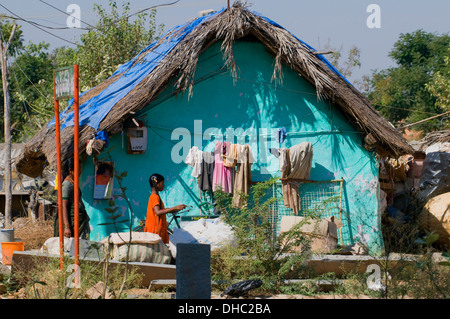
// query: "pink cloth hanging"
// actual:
[[222, 175]]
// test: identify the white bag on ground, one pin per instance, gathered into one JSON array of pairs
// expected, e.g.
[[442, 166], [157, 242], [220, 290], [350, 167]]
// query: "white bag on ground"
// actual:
[[144, 247], [87, 248], [214, 232]]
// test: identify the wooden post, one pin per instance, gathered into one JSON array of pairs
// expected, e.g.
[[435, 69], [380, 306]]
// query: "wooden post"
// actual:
[[7, 128], [424, 120], [59, 177]]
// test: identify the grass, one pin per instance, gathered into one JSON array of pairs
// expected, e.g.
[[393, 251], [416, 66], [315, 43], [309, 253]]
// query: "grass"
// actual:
[[257, 255]]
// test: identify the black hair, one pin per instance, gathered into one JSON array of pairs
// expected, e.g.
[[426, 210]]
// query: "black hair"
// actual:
[[103, 167], [68, 165], [155, 179]]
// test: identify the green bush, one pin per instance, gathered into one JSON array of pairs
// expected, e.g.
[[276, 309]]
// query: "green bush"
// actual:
[[257, 251]]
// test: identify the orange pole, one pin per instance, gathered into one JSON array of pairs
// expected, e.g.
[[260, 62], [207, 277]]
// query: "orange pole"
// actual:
[[58, 176], [76, 148]]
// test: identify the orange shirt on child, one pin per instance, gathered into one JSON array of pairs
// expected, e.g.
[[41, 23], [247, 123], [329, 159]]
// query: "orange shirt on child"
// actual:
[[154, 223]]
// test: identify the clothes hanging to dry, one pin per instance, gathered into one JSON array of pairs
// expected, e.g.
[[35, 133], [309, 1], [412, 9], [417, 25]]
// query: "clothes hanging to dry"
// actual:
[[227, 168], [243, 158], [205, 180], [223, 176], [295, 163], [229, 158], [194, 158], [281, 135]]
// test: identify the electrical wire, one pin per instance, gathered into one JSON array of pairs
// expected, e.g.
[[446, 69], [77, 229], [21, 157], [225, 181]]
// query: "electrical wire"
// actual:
[[43, 27], [40, 26], [48, 4], [113, 22], [29, 80], [404, 109], [36, 26], [15, 77]]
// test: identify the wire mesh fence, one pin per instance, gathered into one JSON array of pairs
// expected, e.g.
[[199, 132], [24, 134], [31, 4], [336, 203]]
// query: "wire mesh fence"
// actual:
[[322, 198]]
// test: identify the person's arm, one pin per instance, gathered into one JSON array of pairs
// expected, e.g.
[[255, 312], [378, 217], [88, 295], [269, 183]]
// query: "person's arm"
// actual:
[[158, 211], [65, 215]]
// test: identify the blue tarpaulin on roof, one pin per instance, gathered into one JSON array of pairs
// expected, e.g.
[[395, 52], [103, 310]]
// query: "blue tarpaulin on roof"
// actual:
[[93, 111]]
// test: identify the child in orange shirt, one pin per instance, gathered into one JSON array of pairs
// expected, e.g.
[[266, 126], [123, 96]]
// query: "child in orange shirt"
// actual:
[[155, 221]]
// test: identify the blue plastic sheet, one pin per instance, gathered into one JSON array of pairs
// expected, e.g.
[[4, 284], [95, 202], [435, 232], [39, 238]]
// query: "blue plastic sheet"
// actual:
[[102, 135], [93, 111]]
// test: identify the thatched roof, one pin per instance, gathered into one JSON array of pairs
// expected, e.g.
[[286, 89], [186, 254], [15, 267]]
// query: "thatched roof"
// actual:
[[179, 64], [430, 139]]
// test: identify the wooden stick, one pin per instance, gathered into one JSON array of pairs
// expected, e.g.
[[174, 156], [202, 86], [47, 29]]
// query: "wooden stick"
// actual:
[[424, 120]]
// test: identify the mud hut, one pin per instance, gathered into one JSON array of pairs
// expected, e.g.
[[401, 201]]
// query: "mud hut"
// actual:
[[229, 69]]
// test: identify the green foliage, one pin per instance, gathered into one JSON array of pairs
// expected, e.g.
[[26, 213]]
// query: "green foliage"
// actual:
[[6, 27], [400, 93], [352, 61], [258, 252], [429, 238], [446, 255], [31, 90], [344, 62], [47, 281], [113, 209], [114, 40], [440, 84]]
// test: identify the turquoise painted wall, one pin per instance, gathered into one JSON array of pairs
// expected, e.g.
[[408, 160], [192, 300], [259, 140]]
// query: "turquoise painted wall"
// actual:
[[253, 101]]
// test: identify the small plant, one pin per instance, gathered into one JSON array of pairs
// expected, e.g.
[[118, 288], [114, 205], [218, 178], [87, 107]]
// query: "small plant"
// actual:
[[257, 252], [418, 275], [114, 216], [47, 281]]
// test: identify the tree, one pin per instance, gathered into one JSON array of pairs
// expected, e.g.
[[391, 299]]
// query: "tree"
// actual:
[[16, 45], [4, 47], [400, 93], [344, 63], [114, 40], [31, 84], [440, 85]]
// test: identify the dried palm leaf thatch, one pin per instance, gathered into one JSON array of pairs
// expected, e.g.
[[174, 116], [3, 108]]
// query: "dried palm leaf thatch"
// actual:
[[179, 66], [432, 138], [436, 137]]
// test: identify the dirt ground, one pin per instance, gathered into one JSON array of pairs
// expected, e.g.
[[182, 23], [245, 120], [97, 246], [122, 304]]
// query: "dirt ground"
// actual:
[[35, 233]]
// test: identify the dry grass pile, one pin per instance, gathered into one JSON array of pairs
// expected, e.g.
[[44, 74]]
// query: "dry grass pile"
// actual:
[[33, 233]]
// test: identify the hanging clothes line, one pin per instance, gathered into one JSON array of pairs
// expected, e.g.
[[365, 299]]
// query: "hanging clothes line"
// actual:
[[228, 168], [292, 133], [232, 169]]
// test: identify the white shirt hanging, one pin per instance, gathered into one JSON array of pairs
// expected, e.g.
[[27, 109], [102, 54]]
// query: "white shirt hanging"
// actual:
[[194, 159]]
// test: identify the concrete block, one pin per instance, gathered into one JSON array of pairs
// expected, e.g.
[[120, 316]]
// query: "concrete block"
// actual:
[[193, 271]]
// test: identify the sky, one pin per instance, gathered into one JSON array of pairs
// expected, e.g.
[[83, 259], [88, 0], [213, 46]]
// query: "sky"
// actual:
[[341, 24]]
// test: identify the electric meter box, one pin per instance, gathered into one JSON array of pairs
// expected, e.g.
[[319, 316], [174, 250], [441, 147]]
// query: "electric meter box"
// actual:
[[137, 140]]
